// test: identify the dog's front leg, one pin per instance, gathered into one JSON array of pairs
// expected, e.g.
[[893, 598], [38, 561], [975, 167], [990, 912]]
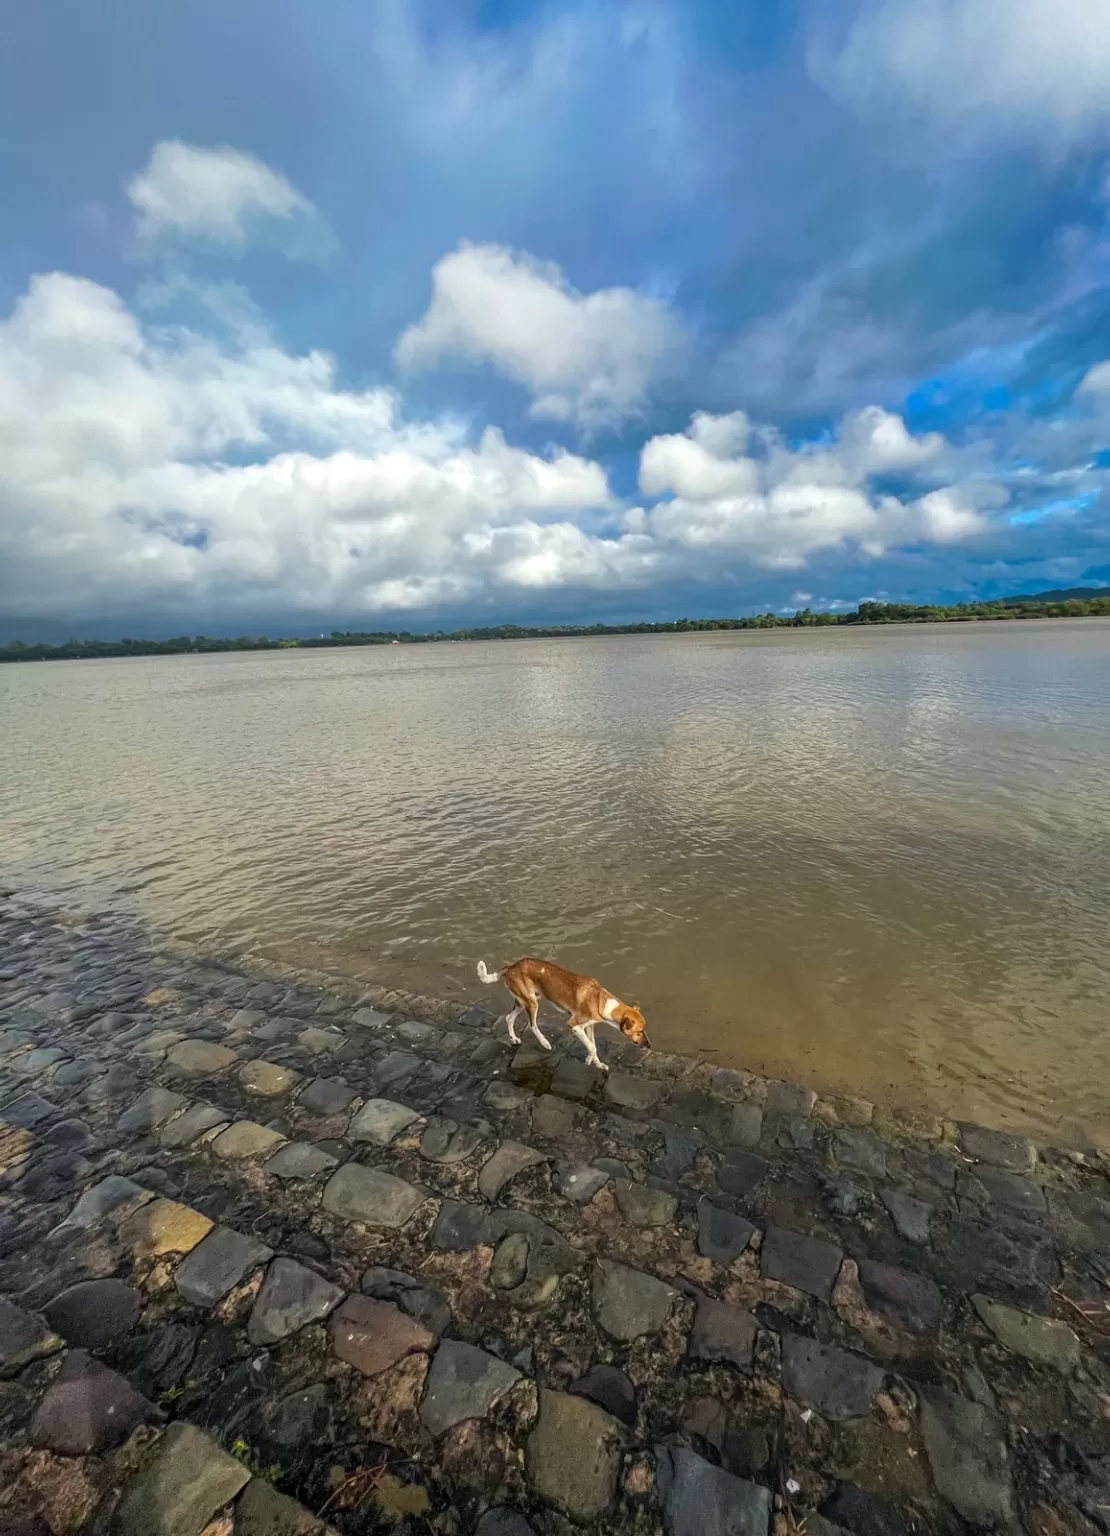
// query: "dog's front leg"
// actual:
[[585, 1033]]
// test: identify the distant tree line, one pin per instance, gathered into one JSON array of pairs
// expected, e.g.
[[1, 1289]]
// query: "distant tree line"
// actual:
[[1082, 603]]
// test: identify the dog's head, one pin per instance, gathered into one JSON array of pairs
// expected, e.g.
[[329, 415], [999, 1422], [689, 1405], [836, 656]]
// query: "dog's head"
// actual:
[[632, 1023]]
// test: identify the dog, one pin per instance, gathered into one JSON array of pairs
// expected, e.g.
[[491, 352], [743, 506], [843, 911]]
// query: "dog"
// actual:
[[584, 1000]]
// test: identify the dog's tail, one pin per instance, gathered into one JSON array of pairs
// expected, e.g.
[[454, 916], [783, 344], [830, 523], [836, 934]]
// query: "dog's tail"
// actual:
[[489, 977]]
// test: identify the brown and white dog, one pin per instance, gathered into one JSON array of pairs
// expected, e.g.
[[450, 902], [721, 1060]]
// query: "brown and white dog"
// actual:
[[584, 1000]]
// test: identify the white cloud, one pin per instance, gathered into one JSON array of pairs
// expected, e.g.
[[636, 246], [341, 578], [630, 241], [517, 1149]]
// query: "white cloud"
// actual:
[[589, 358], [223, 196], [1019, 67], [119, 486], [162, 470], [781, 506]]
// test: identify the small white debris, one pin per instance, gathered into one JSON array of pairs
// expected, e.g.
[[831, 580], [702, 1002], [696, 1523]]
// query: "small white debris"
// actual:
[[807, 1415], [793, 1486]]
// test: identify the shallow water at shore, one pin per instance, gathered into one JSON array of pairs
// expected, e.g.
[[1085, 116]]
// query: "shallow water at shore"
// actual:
[[877, 862]]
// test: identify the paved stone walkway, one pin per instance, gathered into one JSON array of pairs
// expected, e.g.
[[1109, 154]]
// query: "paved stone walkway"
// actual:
[[274, 1261]]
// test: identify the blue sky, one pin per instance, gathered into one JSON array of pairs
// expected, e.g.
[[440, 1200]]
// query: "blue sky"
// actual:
[[320, 315]]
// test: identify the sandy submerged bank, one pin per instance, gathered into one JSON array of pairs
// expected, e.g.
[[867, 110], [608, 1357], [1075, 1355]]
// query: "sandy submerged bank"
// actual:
[[271, 1257]]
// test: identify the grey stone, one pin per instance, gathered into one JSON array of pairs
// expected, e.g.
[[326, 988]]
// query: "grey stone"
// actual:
[[373, 1335], [609, 1389], [613, 1167], [301, 1418], [414, 1297], [722, 1332], [88, 1409], [263, 1511], [196, 1122], [1044, 1340], [446, 1141], [581, 1182], [510, 1262], [1015, 1153], [300, 1160], [217, 1264], [396, 1066], [511, 1158], [788, 1101], [745, 1126], [677, 1155], [34, 1062], [722, 1235], [246, 1138], [503, 1522], [245, 1019], [463, 1383], [380, 1120], [291, 1297], [370, 1018], [554, 1118], [642, 1206], [23, 1338], [573, 1079], [460, 1227], [28, 1111], [199, 1058], [741, 1173], [114, 1196], [860, 1513], [185, 1482], [966, 1446], [326, 1096], [573, 1454], [74, 1073], [839, 1385], [631, 1092], [93, 1312], [72, 1134], [693, 1108], [628, 1303], [150, 1110], [908, 1301], [806, 1263], [859, 1151], [910, 1216], [1013, 1190], [983, 1256], [505, 1096], [267, 1079], [699, 1499], [415, 1032], [321, 1041], [369, 1196]]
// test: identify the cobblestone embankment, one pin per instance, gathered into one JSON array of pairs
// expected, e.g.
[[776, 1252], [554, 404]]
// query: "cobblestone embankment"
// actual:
[[273, 1262]]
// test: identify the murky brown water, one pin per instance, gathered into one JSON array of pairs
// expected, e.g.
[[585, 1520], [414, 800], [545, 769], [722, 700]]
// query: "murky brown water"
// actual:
[[877, 861]]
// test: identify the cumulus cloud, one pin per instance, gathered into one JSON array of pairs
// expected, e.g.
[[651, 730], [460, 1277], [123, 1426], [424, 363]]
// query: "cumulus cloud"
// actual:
[[222, 196], [778, 506], [589, 358], [161, 469], [122, 481], [1021, 67]]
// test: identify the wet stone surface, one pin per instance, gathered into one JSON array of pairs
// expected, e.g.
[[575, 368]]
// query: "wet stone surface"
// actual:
[[267, 1250]]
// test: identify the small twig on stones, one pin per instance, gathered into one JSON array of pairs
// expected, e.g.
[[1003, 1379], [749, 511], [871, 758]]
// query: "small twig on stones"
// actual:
[[1097, 1317]]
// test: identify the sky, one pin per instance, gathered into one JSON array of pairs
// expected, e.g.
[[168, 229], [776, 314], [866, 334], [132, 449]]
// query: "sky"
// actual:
[[387, 314]]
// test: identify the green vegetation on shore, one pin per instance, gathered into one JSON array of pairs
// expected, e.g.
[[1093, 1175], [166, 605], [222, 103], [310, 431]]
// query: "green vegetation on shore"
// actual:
[[1078, 603]]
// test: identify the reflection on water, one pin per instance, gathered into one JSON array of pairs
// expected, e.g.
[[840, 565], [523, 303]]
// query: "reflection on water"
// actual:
[[875, 861]]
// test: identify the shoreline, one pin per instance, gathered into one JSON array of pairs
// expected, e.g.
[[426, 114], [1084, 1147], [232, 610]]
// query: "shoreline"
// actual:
[[485, 1290]]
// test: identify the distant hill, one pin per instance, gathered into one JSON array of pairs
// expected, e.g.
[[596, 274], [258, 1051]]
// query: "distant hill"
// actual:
[[1057, 595]]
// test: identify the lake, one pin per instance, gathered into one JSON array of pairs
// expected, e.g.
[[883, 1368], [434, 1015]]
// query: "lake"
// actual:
[[873, 860]]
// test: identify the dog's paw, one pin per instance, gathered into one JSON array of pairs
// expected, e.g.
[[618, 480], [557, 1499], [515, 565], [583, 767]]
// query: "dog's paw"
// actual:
[[601, 1066], [546, 1044]]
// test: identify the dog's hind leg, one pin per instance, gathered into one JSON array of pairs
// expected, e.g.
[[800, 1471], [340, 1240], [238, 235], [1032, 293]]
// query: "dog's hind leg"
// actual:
[[510, 1020], [534, 1024]]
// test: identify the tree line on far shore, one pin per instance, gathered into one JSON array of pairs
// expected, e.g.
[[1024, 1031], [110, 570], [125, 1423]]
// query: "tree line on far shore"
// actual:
[[1076, 603]]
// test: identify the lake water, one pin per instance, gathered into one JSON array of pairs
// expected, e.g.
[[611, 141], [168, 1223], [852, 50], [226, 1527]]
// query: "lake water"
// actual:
[[877, 861]]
